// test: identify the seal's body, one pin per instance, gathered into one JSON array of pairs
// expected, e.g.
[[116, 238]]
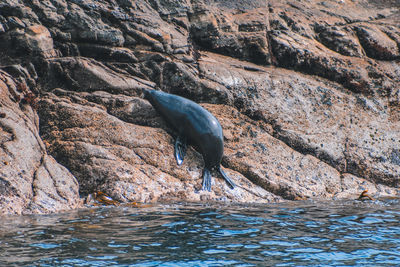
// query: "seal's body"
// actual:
[[194, 125]]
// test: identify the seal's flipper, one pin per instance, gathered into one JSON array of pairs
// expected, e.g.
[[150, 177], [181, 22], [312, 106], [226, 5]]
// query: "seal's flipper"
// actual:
[[206, 180], [227, 179], [180, 149]]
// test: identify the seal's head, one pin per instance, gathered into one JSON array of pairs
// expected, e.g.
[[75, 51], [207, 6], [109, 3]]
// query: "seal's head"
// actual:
[[145, 93]]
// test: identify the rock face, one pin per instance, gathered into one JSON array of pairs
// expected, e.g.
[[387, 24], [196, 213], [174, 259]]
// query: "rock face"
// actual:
[[307, 93], [31, 180]]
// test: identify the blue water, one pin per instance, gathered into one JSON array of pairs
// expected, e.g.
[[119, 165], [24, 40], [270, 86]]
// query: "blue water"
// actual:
[[349, 233]]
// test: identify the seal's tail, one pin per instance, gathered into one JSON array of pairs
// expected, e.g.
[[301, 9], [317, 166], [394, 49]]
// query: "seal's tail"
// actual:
[[227, 179]]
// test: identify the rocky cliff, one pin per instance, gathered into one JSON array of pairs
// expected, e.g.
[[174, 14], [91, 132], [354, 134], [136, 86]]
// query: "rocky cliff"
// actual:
[[307, 93]]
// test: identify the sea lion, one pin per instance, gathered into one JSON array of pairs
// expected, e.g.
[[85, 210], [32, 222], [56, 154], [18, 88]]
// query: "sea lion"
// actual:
[[194, 125]]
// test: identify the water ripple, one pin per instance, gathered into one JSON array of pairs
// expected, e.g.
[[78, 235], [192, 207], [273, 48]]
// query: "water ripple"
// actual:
[[292, 234]]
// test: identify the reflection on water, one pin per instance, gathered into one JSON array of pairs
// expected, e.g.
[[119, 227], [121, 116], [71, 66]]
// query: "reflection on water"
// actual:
[[289, 234]]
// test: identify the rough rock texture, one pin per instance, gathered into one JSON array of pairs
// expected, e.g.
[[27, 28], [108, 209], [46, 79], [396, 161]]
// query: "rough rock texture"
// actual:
[[30, 179], [307, 92]]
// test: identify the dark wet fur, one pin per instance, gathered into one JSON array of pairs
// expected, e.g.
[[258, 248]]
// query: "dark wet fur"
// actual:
[[194, 125]]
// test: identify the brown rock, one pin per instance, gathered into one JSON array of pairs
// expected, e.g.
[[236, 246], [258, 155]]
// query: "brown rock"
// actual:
[[54, 188], [308, 94], [30, 180], [313, 117], [33, 41], [225, 28], [340, 39], [377, 44], [129, 162], [79, 72]]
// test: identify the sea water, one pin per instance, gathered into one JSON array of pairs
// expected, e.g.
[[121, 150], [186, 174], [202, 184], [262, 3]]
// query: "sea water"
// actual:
[[335, 233]]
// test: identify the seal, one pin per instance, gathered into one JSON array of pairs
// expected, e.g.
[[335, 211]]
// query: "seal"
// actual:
[[194, 125]]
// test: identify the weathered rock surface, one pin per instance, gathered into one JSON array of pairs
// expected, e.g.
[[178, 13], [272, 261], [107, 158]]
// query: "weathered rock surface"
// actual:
[[30, 179], [308, 95]]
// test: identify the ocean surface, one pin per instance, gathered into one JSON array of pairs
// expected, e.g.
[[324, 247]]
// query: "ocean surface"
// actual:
[[336, 233]]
